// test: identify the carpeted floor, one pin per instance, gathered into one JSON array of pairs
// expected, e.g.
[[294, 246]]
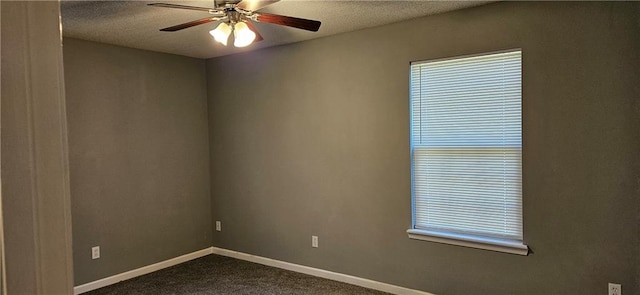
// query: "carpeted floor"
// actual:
[[214, 274]]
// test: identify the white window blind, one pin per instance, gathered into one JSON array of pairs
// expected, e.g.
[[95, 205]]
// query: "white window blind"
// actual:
[[466, 145]]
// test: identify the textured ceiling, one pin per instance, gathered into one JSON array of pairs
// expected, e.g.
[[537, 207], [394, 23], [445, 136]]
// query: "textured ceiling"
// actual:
[[134, 24]]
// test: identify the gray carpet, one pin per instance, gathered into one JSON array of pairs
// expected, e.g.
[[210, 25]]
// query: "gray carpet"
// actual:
[[214, 274]]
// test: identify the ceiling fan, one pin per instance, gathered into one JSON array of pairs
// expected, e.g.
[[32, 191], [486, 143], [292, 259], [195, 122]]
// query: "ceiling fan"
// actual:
[[236, 16]]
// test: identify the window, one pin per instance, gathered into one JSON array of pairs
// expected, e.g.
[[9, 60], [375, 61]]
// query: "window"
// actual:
[[466, 151]]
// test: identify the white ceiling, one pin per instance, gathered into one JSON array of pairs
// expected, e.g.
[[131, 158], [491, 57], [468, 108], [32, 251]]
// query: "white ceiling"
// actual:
[[134, 24]]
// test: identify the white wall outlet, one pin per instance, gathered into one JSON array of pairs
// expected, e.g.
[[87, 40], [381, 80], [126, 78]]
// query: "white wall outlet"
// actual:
[[218, 226], [95, 252], [314, 241], [615, 289]]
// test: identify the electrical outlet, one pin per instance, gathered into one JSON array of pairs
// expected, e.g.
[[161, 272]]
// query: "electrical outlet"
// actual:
[[218, 226], [314, 241], [95, 252], [615, 289]]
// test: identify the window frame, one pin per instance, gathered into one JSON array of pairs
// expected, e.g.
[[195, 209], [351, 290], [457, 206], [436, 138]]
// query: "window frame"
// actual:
[[449, 237]]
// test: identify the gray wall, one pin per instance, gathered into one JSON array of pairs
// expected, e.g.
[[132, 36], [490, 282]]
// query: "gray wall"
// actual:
[[313, 139], [139, 157], [35, 174]]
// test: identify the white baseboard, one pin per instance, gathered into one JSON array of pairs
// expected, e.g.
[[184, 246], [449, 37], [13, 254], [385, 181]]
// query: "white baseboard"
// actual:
[[140, 271], [320, 273], [353, 280]]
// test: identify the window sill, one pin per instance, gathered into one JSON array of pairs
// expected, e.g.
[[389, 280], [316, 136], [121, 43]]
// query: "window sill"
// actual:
[[512, 247]]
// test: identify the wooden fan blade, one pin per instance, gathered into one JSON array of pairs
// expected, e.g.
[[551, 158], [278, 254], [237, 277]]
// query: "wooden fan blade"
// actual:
[[300, 23], [190, 24], [167, 5], [255, 30], [253, 5]]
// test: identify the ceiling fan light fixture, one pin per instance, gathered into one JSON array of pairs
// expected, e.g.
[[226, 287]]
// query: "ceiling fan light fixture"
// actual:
[[236, 17], [221, 33], [243, 35]]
